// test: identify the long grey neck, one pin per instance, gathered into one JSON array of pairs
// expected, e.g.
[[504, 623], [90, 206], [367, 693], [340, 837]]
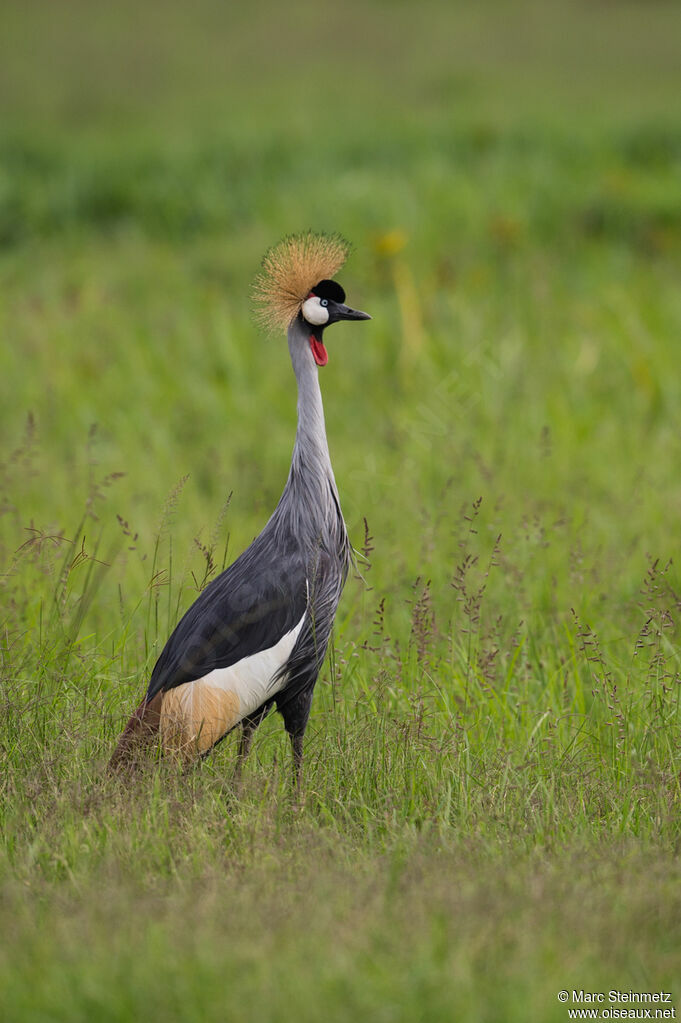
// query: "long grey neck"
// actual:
[[311, 461]]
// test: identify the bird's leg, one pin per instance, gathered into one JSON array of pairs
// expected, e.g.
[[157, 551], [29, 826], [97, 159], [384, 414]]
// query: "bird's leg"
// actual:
[[248, 728], [295, 713], [297, 747]]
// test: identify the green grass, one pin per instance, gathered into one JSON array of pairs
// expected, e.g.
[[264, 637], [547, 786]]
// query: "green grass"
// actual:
[[492, 799]]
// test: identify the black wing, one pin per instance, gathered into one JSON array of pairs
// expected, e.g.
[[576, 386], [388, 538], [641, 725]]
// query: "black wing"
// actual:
[[248, 608]]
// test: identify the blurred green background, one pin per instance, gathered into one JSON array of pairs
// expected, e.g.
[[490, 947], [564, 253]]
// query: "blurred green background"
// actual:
[[495, 742], [507, 172]]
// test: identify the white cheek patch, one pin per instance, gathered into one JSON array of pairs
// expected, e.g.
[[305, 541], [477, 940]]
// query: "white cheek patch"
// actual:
[[314, 312]]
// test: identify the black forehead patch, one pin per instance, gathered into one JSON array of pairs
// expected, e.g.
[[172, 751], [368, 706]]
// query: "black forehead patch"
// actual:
[[329, 289]]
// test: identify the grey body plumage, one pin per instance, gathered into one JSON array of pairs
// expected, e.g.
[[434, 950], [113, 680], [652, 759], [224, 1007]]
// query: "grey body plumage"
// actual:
[[287, 583]]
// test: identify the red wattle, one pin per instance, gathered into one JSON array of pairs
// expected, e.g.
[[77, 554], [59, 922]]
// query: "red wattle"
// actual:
[[318, 351]]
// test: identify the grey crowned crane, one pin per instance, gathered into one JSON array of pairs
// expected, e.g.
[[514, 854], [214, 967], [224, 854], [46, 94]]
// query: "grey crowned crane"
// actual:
[[256, 637]]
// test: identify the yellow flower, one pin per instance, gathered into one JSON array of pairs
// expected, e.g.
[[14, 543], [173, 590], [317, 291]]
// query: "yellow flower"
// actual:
[[390, 243]]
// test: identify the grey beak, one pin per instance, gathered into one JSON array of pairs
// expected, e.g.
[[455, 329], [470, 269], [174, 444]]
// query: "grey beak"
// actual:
[[346, 313]]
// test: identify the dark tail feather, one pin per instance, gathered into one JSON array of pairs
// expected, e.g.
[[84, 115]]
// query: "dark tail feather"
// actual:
[[138, 734]]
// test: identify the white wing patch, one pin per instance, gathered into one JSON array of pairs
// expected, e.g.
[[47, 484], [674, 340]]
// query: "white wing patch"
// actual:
[[250, 677], [195, 715]]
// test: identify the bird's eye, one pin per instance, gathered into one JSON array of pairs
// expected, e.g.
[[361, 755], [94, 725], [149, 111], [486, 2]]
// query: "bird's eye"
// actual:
[[324, 302]]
